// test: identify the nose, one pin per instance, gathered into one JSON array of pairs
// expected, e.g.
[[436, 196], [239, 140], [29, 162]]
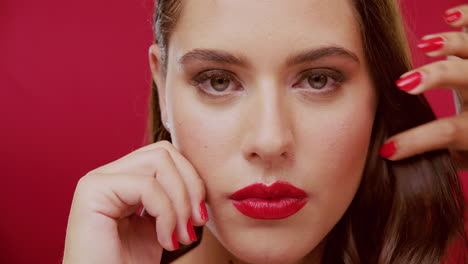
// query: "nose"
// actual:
[[269, 139]]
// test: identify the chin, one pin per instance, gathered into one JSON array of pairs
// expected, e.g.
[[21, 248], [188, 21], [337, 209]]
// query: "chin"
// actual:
[[268, 256], [267, 246], [266, 252]]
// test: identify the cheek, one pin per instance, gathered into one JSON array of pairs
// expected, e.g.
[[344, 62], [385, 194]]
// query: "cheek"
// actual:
[[344, 141], [337, 154], [339, 137], [336, 158], [333, 141], [198, 135]]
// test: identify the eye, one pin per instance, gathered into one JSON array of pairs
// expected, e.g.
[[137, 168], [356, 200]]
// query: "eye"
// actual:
[[215, 81], [220, 83], [320, 80], [317, 81]]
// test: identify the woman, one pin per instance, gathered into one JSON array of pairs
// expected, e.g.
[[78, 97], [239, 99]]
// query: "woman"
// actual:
[[269, 118]]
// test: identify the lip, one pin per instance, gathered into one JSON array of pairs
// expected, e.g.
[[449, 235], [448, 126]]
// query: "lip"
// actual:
[[277, 201]]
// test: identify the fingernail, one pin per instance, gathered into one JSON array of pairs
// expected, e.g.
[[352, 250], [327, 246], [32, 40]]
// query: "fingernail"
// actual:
[[203, 212], [431, 44], [387, 150], [174, 241], [140, 211], [452, 16], [409, 82], [191, 231]]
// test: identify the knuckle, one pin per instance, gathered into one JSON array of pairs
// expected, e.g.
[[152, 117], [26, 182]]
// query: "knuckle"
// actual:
[[463, 37], [458, 39], [154, 193], [170, 214], [82, 183], [149, 182], [160, 154], [87, 180], [87, 185], [164, 143], [186, 207], [168, 210], [436, 72], [441, 67], [168, 145], [97, 170], [181, 203]]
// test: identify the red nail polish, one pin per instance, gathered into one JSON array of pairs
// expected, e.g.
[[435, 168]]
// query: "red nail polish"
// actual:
[[409, 82], [452, 16], [174, 240], [431, 44], [140, 211], [191, 231], [203, 211], [387, 150]]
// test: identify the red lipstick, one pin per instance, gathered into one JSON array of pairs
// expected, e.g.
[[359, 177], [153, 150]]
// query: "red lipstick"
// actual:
[[278, 201]]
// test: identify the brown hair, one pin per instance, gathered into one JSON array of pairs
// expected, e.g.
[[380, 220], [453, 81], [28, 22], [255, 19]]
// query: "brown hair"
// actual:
[[409, 211]]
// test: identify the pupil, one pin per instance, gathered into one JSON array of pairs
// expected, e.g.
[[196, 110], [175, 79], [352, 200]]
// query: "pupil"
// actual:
[[318, 81], [220, 84]]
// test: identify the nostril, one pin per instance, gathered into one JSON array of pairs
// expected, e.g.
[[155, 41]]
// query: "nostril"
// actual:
[[253, 155]]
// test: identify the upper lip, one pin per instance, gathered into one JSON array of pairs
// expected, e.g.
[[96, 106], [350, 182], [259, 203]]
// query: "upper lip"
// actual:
[[278, 189]]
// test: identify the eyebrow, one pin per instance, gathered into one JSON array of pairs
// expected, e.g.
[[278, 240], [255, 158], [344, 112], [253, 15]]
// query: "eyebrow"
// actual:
[[210, 55], [223, 57], [316, 54]]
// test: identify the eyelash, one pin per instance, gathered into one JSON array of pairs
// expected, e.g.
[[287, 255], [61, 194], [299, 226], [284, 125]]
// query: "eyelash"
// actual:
[[207, 75], [332, 75]]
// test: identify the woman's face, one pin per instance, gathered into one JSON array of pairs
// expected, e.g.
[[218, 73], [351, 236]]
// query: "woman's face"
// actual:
[[266, 91]]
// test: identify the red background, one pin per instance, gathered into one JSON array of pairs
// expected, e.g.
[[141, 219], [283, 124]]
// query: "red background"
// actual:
[[74, 81]]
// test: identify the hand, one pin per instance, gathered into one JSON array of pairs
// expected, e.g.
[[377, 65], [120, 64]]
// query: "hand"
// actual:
[[102, 227], [452, 132]]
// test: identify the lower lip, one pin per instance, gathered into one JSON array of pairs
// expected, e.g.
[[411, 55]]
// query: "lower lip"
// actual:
[[271, 209]]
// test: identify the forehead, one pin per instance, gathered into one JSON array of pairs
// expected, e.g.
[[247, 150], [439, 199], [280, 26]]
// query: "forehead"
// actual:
[[265, 27]]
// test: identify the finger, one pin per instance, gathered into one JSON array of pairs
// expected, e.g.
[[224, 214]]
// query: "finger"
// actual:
[[439, 134], [441, 74], [445, 44], [129, 163], [457, 16], [197, 191], [158, 163], [136, 163], [177, 191], [112, 197]]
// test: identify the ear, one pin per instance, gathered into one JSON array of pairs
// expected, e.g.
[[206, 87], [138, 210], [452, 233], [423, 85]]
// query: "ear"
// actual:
[[159, 78]]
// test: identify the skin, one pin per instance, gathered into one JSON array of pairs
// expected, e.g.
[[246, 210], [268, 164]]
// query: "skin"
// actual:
[[270, 128], [275, 127]]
